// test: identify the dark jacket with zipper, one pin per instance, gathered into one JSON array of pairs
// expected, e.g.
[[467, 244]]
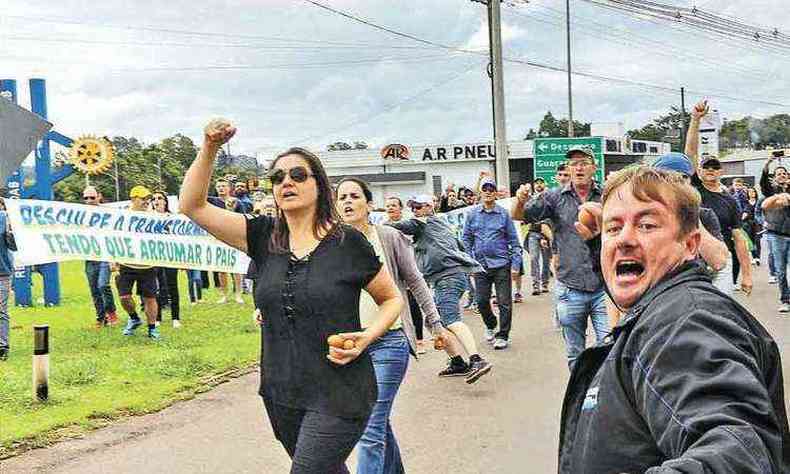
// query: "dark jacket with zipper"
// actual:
[[688, 382], [777, 220]]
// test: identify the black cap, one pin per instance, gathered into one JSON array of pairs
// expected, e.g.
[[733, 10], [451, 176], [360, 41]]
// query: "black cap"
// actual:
[[709, 159]]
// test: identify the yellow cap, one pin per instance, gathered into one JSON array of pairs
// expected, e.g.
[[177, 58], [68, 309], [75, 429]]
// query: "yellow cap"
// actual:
[[139, 192]]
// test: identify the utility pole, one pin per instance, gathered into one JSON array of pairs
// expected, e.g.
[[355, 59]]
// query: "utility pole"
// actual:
[[497, 90], [682, 119], [570, 85]]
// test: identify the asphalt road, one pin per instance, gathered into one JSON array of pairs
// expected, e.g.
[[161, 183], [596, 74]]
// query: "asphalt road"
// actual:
[[506, 423]]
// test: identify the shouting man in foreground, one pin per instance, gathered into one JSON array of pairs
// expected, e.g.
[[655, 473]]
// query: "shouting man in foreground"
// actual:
[[688, 381]]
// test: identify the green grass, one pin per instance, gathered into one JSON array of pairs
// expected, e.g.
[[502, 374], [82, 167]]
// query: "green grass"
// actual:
[[100, 375]]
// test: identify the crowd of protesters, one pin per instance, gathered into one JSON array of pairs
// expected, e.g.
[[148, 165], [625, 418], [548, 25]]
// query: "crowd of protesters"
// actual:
[[158, 287], [637, 256], [649, 258]]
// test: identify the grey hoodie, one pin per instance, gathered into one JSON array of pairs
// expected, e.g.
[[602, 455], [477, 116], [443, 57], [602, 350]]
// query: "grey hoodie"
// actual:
[[438, 250]]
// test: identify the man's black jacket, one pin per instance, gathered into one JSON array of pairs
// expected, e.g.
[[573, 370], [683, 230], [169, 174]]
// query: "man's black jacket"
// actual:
[[688, 382]]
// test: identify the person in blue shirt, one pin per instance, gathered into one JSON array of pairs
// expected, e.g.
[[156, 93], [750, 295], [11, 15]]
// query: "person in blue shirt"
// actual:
[[6, 270], [490, 237], [242, 194]]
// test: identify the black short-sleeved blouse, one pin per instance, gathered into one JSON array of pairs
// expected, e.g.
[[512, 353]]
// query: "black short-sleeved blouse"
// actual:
[[304, 302]]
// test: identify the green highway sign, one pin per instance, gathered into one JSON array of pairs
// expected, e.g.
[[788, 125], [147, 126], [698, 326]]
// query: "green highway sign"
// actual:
[[550, 152]]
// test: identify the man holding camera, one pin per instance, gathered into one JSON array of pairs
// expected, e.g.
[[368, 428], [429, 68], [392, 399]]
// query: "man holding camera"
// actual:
[[776, 208]]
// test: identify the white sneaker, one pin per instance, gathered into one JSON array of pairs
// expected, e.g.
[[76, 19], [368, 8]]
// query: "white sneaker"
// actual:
[[772, 280], [784, 308], [222, 300], [239, 299], [192, 303], [500, 344], [490, 335], [176, 324], [420, 347]]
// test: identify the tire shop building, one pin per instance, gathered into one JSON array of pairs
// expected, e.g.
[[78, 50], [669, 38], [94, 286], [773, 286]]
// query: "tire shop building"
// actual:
[[407, 170]]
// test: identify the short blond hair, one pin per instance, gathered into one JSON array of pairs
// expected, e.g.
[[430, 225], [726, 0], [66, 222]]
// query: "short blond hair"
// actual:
[[667, 187]]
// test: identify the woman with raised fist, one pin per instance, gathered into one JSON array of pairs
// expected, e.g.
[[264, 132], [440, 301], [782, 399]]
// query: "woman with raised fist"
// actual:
[[311, 271]]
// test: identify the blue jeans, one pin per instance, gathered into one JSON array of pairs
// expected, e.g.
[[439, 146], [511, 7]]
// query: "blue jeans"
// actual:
[[539, 260], [471, 287], [98, 274], [573, 309], [780, 250], [195, 284], [447, 293], [771, 269], [5, 289], [378, 451]]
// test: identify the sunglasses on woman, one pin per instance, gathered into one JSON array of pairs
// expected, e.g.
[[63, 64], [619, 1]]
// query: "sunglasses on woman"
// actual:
[[298, 174]]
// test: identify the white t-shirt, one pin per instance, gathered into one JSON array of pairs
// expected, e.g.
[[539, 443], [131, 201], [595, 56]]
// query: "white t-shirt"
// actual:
[[368, 309]]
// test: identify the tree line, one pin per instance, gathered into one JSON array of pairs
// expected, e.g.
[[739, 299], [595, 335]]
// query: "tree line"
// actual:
[[747, 132], [158, 166]]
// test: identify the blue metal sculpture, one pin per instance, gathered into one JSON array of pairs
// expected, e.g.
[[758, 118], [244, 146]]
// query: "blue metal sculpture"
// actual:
[[45, 179]]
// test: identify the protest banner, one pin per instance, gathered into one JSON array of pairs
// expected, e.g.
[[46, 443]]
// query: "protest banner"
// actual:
[[48, 231], [456, 218]]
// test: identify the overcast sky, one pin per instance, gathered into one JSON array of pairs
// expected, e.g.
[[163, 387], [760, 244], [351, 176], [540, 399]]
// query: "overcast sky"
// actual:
[[288, 73]]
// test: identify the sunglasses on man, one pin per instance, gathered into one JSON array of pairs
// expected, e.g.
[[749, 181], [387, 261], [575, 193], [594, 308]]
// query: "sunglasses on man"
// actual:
[[90, 198], [489, 188], [298, 174], [711, 166]]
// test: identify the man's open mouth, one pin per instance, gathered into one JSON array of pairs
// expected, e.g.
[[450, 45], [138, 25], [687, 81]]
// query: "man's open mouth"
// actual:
[[629, 269]]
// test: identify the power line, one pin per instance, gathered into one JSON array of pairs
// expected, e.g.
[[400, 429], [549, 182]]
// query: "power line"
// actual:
[[234, 67], [537, 64], [694, 17], [239, 67], [695, 35], [389, 30], [200, 45], [184, 32], [628, 38]]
